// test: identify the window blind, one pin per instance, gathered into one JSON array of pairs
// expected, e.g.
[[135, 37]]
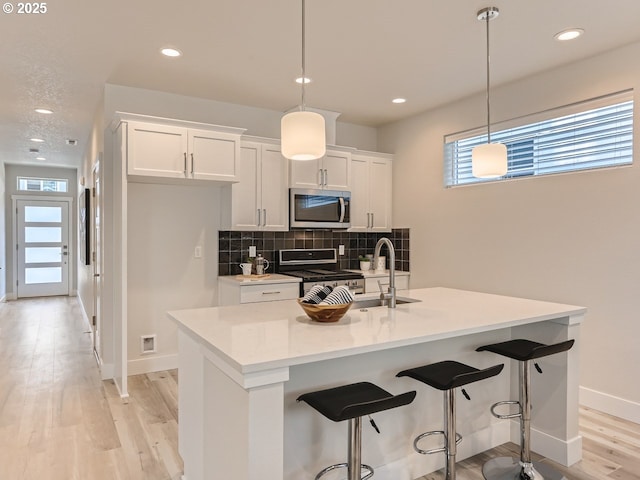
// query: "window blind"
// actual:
[[591, 136]]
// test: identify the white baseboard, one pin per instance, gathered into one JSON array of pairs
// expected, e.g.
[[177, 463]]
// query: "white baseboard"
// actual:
[[155, 363], [107, 370], [83, 310], [565, 452], [603, 402]]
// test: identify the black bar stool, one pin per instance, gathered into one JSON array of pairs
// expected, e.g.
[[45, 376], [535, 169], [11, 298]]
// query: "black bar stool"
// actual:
[[509, 468], [352, 402], [447, 376]]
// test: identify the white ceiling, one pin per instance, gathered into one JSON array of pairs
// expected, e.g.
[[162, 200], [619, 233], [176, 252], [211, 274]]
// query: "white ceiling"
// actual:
[[360, 55]]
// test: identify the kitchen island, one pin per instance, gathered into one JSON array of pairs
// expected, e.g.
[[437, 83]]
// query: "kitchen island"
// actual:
[[242, 367]]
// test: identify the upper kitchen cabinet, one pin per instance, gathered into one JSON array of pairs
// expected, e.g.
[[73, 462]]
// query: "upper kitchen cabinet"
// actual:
[[331, 172], [371, 192], [259, 201], [164, 149]]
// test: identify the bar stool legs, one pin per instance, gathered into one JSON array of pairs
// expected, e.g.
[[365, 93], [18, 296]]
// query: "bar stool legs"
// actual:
[[523, 468], [447, 376]]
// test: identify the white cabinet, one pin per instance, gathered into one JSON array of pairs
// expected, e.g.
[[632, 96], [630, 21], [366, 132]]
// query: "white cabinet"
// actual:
[[371, 181], [177, 150], [259, 201], [331, 172], [371, 282], [233, 292]]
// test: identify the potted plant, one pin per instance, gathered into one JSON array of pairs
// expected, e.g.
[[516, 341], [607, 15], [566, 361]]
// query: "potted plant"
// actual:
[[365, 263]]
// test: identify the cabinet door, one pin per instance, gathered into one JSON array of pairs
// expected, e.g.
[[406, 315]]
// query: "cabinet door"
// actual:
[[245, 194], [156, 150], [275, 198], [213, 155], [305, 173], [380, 182], [337, 170], [360, 214]]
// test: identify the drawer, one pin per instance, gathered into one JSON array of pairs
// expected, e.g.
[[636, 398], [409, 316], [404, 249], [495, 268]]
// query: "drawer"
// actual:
[[268, 293]]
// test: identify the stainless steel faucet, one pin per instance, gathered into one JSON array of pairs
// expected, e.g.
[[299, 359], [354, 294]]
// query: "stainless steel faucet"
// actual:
[[390, 296]]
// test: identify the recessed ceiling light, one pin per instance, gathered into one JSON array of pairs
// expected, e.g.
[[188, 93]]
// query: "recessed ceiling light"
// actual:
[[46, 111], [399, 100], [171, 52], [568, 34], [306, 80], [39, 140], [40, 158]]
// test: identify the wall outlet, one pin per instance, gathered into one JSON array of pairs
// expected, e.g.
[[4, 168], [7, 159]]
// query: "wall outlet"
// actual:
[[147, 344], [340, 249], [198, 252], [252, 251]]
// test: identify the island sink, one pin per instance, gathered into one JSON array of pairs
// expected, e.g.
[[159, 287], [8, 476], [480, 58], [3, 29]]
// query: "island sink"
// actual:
[[376, 302]]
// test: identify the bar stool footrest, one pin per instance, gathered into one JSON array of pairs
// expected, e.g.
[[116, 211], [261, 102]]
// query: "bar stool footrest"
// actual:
[[330, 468], [509, 415], [433, 450], [510, 468]]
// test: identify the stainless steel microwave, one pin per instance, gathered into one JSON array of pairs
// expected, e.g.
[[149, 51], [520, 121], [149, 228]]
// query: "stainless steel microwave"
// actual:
[[310, 208]]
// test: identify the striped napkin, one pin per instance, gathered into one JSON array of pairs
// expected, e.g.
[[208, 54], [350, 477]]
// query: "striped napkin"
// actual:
[[338, 296], [317, 294]]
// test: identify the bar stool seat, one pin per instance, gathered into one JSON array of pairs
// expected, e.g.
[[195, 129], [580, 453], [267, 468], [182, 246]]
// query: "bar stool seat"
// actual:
[[447, 376], [352, 402], [523, 468]]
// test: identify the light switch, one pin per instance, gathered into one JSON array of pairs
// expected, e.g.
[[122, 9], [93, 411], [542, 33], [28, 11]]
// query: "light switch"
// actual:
[[252, 251], [198, 252], [340, 249]]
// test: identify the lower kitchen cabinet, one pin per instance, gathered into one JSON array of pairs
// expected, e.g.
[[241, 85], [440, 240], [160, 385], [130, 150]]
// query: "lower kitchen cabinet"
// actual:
[[259, 201], [371, 281], [234, 291]]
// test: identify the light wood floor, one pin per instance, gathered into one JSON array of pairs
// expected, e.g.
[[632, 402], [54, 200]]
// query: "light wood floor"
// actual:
[[58, 421]]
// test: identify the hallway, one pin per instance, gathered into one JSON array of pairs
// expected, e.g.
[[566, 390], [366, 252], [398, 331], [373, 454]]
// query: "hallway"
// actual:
[[59, 421]]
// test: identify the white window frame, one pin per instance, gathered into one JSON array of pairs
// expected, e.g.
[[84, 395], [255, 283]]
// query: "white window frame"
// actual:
[[532, 163], [41, 180]]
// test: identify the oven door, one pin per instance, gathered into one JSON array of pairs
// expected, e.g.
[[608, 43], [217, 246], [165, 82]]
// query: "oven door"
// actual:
[[319, 208]]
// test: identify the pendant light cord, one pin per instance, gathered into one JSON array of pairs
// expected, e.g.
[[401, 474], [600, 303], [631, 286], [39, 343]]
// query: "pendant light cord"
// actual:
[[304, 77], [488, 18]]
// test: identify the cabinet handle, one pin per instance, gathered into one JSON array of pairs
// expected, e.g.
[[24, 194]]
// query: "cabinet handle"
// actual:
[[271, 293], [185, 164], [368, 220], [372, 221], [264, 217], [192, 165], [326, 177], [259, 218], [320, 177]]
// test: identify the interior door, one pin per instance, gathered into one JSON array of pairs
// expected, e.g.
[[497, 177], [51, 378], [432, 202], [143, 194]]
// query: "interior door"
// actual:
[[43, 248], [96, 258]]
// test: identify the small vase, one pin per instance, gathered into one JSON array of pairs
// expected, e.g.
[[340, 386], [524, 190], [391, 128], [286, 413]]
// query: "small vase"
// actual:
[[365, 266]]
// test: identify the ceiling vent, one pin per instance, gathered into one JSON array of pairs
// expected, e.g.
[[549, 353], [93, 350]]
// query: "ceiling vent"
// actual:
[[34, 150], [72, 142]]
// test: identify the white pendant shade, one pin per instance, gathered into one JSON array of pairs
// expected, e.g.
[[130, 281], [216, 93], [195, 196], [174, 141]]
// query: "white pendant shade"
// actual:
[[303, 135], [489, 160]]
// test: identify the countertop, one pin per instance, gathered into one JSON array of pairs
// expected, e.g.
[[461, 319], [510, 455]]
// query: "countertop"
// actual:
[[261, 336], [273, 278]]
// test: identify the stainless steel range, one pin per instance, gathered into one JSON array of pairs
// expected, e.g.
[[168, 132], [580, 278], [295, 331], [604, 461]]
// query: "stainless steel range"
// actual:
[[317, 266]]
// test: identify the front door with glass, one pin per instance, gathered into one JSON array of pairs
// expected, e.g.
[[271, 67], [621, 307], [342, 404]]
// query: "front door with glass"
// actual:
[[43, 248]]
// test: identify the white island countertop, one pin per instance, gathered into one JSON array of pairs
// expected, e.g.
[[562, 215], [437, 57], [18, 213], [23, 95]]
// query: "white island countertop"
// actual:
[[263, 336]]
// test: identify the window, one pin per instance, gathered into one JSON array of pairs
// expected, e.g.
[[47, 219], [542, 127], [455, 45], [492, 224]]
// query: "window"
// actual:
[[30, 184], [592, 134]]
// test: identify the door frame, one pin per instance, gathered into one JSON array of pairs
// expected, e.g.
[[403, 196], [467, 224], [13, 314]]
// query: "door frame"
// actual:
[[14, 219], [97, 245]]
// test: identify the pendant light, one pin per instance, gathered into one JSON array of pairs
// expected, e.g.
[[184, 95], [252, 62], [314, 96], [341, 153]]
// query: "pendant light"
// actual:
[[302, 132], [489, 160]]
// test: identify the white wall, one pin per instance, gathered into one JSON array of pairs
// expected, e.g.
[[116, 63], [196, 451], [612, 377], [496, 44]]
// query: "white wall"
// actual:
[[571, 238], [3, 229], [165, 224]]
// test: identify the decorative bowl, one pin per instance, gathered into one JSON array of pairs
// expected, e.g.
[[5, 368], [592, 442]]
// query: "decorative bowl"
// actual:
[[325, 313]]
